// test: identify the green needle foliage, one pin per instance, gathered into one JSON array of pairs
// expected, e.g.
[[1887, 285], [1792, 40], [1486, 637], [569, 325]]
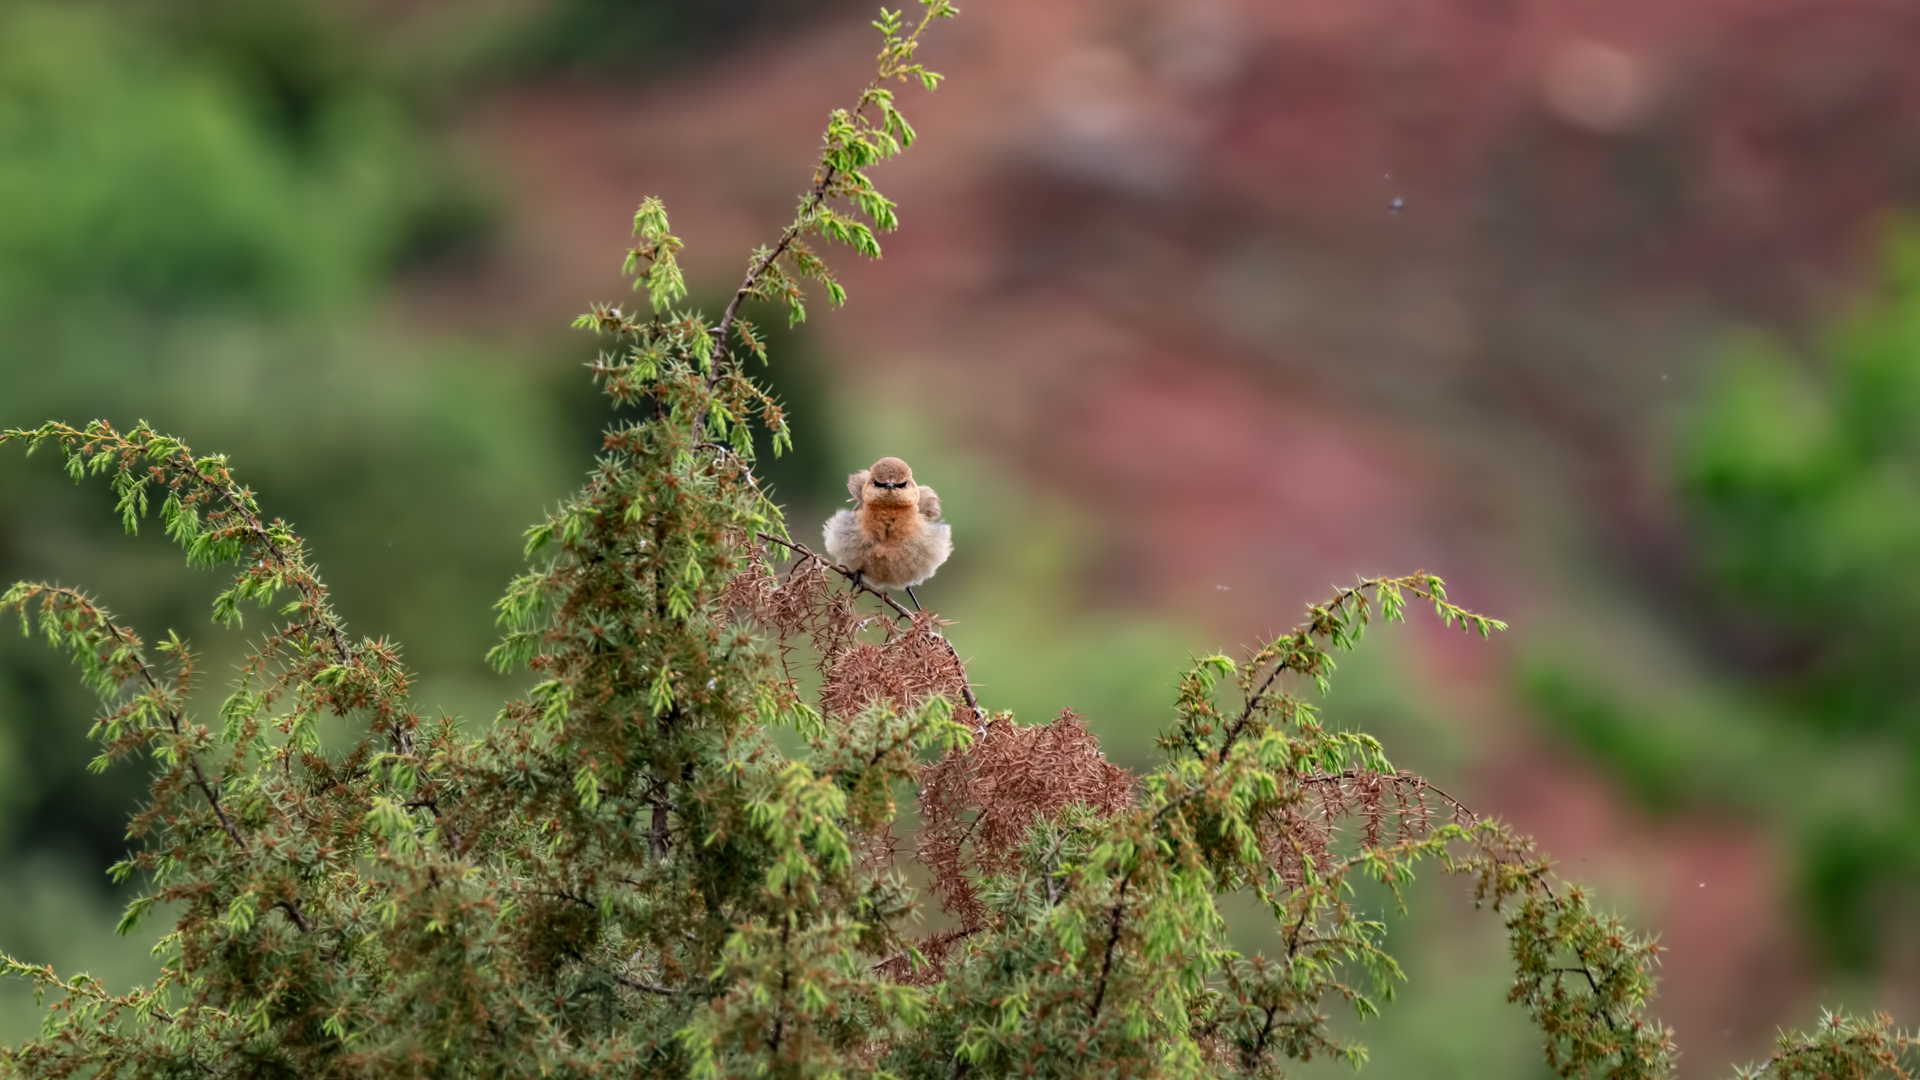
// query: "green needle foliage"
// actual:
[[624, 875]]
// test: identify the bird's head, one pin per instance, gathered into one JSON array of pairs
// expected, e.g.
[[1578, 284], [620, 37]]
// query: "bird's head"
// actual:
[[890, 483]]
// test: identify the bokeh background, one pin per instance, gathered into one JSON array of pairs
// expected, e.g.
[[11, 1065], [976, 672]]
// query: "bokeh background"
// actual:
[[1603, 309]]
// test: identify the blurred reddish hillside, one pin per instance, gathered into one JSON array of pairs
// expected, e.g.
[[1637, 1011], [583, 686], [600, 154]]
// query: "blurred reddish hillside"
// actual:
[[1282, 291], [1185, 214]]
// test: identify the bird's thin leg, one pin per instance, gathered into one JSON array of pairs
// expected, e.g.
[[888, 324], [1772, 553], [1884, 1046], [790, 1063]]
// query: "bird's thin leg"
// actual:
[[915, 599], [856, 578]]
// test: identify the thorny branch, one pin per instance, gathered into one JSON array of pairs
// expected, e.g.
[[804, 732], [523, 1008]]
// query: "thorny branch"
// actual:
[[1874, 1040], [817, 194], [173, 714], [101, 437], [175, 720], [1466, 816], [824, 177], [803, 552], [315, 593], [1343, 595]]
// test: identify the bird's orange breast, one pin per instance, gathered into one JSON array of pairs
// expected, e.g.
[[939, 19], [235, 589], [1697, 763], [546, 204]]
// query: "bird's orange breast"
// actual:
[[888, 525]]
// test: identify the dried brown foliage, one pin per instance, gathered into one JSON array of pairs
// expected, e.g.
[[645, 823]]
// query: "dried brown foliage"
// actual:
[[977, 805], [909, 663], [803, 605], [913, 664]]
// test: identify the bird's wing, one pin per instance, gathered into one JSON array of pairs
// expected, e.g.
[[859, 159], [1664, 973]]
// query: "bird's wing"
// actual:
[[843, 540], [857, 483], [929, 503]]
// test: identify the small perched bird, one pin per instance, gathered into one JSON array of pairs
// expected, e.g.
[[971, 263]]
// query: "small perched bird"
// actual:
[[894, 538]]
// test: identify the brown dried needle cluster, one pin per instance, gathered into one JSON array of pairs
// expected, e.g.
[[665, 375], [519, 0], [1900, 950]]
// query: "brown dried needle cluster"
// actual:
[[977, 805], [910, 662]]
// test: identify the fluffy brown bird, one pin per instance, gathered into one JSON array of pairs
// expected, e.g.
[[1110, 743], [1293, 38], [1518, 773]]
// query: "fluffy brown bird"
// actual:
[[895, 537]]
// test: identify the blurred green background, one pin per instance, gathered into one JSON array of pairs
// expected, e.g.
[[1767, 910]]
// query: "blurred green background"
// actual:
[[338, 243], [206, 206]]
